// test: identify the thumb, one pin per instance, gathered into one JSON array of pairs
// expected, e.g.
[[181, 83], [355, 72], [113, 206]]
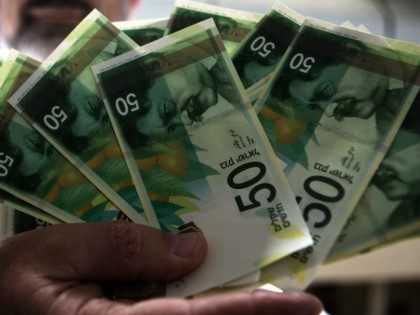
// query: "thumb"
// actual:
[[111, 251]]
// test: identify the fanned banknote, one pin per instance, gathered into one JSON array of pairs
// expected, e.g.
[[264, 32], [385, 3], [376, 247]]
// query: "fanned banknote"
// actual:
[[193, 141], [254, 277], [233, 25], [263, 49], [389, 209], [331, 113], [61, 102], [32, 170], [143, 31]]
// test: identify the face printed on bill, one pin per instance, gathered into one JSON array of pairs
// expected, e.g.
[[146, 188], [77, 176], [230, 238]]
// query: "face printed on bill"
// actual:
[[359, 93], [399, 175], [192, 91], [30, 151]]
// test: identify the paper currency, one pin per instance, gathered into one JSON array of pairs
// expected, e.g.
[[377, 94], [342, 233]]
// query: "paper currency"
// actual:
[[143, 31], [390, 208], [263, 49], [32, 170], [331, 113], [254, 94], [233, 25], [193, 141], [348, 24], [369, 225], [62, 103]]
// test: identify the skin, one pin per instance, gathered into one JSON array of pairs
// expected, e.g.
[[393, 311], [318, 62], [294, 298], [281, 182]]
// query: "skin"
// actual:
[[58, 270], [359, 94], [36, 27], [81, 256], [192, 91], [11, 13]]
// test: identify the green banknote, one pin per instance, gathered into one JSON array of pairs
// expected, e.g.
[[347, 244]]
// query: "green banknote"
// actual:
[[32, 170], [143, 31], [61, 102], [194, 145], [253, 94], [331, 114], [263, 49], [375, 221], [390, 208], [233, 25]]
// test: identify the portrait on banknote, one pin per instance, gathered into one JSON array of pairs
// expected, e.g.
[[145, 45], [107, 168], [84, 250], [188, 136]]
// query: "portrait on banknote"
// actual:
[[398, 177], [339, 90], [36, 168]]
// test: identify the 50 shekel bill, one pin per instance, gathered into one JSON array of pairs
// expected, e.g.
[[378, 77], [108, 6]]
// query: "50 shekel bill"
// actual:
[[389, 209], [193, 141], [233, 25], [261, 52], [143, 31], [331, 114], [61, 102], [32, 170]]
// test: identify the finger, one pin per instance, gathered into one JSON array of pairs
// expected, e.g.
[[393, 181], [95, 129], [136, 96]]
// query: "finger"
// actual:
[[111, 251], [257, 303], [266, 303]]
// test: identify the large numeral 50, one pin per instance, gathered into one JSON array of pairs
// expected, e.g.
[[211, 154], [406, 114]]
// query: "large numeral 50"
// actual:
[[304, 64], [56, 118], [5, 163], [263, 47], [262, 170]]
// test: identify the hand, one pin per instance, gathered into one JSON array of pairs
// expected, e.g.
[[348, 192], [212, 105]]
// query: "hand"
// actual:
[[57, 270]]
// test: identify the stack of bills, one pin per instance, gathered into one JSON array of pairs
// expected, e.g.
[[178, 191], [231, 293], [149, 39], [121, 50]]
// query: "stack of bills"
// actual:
[[287, 140]]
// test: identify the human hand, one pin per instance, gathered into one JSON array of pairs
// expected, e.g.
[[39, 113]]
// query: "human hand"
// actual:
[[57, 270]]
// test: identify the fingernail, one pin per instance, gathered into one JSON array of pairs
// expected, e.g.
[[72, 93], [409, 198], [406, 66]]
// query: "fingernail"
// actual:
[[183, 245]]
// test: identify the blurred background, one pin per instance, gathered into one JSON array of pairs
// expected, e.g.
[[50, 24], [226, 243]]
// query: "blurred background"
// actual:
[[385, 281]]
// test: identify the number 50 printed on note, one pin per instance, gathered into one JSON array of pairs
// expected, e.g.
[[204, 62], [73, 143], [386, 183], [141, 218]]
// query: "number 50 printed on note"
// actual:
[[195, 146]]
